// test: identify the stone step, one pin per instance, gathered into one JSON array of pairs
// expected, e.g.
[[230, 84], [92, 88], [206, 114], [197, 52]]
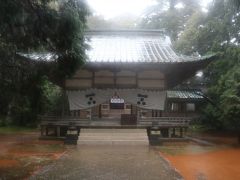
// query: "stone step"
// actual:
[[115, 142], [112, 134], [113, 137], [85, 130]]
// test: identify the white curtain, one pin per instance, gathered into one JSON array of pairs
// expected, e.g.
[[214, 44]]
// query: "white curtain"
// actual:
[[147, 99]]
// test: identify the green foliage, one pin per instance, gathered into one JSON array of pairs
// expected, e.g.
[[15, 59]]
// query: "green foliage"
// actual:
[[216, 31], [164, 15], [224, 89], [189, 41], [37, 96], [38, 26], [211, 32], [46, 25]]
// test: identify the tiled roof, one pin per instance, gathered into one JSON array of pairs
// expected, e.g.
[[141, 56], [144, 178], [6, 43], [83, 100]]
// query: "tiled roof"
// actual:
[[146, 46], [184, 94], [126, 46]]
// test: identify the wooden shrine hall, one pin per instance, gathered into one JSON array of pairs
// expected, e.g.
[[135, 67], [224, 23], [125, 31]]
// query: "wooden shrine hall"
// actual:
[[128, 81]]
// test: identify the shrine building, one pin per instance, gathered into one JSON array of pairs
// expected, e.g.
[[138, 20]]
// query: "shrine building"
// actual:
[[128, 81]]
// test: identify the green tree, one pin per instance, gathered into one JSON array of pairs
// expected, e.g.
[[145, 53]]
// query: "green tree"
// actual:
[[209, 32], [165, 15], [218, 31], [38, 26]]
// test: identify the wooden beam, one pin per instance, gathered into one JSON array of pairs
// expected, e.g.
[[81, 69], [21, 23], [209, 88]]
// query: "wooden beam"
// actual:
[[114, 78], [136, 79], [93, 79]]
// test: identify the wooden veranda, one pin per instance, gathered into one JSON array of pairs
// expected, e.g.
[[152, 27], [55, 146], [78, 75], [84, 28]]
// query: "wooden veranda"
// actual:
[[57, 126]]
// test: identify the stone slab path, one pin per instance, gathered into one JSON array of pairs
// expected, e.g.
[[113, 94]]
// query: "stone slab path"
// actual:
[[109, 162]]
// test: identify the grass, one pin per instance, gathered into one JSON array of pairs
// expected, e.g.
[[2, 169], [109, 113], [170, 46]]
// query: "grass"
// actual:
[[15, 129]]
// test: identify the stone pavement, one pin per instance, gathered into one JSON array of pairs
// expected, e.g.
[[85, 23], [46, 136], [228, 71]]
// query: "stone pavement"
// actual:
[[109, 162]]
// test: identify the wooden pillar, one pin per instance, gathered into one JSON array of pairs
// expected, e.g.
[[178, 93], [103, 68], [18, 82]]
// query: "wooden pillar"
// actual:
[[58, 131], [165, 132], [55, 131], [63, 104], [100, 111], [181, 132], [46, 131], [174, 133], [131, 109], [90, 113], [148, 131], [42, 130]]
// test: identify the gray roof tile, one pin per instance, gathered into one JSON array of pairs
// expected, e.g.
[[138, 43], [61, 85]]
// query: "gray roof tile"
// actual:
[[184, 94], [128, 47]]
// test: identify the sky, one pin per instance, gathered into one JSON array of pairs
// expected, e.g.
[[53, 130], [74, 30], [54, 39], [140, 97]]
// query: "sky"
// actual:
[[112, 8]]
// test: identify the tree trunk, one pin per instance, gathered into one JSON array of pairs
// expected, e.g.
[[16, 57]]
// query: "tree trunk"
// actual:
[[239, 138]]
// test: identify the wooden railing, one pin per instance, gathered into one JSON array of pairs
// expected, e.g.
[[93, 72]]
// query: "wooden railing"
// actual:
[[63, 120], [165, 121], [141, 122]]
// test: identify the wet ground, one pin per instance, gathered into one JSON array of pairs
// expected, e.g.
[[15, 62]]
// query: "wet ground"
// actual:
[[23, 154], [220, 161], [108, 162], [222, 164]]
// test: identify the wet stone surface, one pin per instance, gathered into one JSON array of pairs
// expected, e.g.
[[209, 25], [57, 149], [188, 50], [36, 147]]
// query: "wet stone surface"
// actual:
[[108, 162]]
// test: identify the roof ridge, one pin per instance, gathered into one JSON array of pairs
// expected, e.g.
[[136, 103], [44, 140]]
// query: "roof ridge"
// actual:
[[125, 31]]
